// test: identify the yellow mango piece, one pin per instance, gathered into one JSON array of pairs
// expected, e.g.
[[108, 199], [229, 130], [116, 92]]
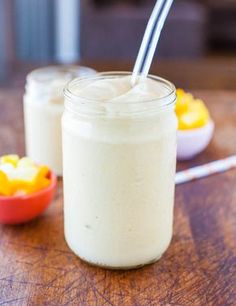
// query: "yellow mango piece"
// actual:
[[43, 171], [5, 187], [43, 183], [183, 101], [22, 187], [180, 92], [196, 117], [41, 180], [10, 159], [199, 106], [21, 176], [192, 113], [17, 185]]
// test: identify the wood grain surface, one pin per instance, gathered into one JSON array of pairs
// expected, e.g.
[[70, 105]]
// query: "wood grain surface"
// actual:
[[199, 268]]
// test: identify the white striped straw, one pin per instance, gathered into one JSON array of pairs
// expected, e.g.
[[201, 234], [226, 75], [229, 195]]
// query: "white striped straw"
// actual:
[[205, 170], [151, 38]]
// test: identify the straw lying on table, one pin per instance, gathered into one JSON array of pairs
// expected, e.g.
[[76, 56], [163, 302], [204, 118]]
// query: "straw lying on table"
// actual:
[[205, 170]]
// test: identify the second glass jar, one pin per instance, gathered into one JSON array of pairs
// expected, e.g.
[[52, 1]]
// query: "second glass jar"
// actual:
[[43, 108]]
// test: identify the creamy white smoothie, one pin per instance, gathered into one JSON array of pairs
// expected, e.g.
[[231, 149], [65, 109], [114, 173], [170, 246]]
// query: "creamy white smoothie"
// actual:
[[119, 159], [43, 108]]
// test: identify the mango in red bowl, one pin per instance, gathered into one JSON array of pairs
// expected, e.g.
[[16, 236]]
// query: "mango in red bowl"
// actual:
[[26, 189]]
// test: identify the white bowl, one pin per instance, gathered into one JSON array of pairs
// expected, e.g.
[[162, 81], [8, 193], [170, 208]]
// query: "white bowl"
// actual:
[[194, 141]]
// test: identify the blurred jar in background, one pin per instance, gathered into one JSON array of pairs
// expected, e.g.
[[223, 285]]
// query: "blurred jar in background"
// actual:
[[43, 108]]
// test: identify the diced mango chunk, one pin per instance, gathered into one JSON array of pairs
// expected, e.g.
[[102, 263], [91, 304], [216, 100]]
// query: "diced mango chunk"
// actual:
[[10, 159], [21, 176], [192, 113], [5, 188], [183, 101]]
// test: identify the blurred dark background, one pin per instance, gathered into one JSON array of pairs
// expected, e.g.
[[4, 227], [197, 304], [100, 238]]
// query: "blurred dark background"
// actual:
[[66, 31]]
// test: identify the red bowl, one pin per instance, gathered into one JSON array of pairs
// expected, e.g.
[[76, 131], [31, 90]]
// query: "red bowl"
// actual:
[[20, 209]]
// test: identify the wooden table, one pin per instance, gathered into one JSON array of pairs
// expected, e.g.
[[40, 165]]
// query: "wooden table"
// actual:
[[199, 268]]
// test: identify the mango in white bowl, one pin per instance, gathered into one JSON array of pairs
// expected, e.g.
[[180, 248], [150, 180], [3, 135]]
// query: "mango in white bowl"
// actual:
[[195, 126]]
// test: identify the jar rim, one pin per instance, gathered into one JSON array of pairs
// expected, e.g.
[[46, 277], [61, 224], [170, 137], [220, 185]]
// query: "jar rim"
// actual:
[[80, 105], [45, 74], [113, 74]]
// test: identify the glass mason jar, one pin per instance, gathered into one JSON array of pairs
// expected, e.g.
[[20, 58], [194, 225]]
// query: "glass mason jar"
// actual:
[[119, 162], [43, 108]]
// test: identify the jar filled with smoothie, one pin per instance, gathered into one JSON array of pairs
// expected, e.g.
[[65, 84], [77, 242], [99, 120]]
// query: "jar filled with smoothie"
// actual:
[[119, 161], [43, 108]]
